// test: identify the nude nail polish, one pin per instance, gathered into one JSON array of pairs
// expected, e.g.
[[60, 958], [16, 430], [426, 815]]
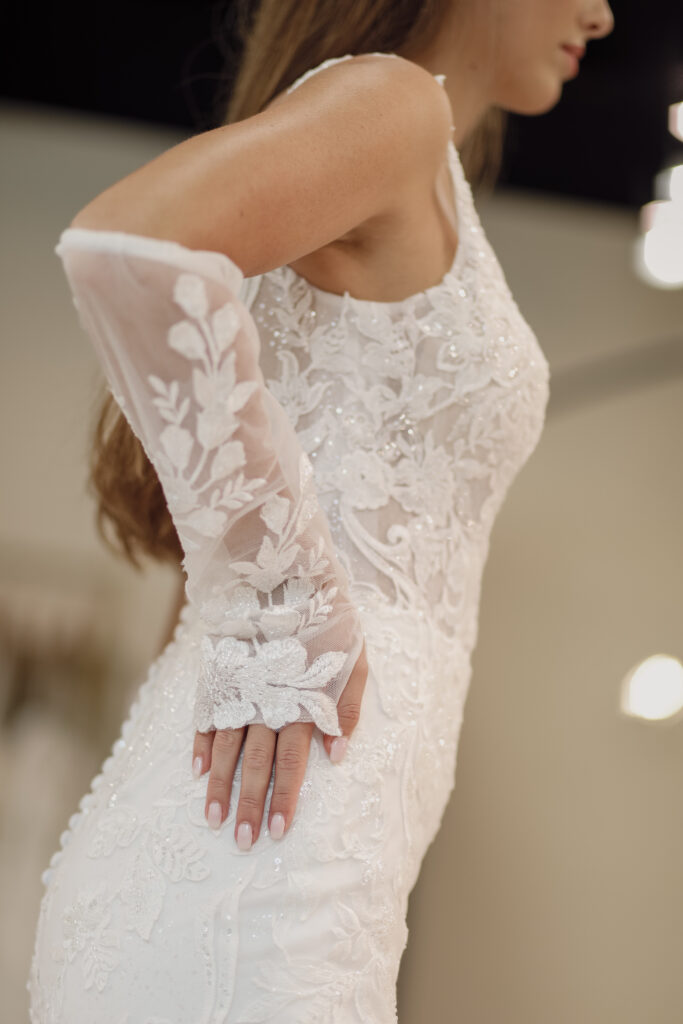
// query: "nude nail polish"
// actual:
[[338, 748], [197, 766], [214, 815], [277, 826], [244, 836]]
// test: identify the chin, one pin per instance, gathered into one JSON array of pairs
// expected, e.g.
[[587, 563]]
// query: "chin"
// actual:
[[532, 97]]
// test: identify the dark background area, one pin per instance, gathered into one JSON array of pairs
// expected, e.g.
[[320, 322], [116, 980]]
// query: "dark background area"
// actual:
[[165, 61]]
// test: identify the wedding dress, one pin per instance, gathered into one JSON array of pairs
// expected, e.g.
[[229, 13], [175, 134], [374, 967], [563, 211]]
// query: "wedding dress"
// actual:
[[382, 439]]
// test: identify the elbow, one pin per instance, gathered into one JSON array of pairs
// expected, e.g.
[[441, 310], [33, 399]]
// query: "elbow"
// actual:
[[94, 216], [115, 209], [100, 217]]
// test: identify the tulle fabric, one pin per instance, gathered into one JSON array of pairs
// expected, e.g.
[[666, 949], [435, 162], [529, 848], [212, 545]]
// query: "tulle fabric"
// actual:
[[181, 355]]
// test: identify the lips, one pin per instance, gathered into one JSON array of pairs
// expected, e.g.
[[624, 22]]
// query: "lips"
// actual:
[[576, 51]]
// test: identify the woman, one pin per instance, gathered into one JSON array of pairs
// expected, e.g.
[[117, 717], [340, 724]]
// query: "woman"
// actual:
[[326, 390]]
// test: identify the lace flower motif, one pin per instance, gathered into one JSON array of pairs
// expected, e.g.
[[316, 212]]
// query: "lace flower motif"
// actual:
[[275, 677], [253, 657]]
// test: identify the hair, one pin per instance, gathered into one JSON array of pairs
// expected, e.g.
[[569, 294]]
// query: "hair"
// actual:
[[279, 40]]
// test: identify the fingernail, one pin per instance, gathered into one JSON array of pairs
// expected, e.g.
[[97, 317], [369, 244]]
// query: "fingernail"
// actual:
[[338, 748], [277, 826], [197, 766], [244, 836], [214, 815]]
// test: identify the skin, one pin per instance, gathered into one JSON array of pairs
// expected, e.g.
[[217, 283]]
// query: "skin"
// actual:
[[263, 184], [220, 749], [525, 76], [508, 53]]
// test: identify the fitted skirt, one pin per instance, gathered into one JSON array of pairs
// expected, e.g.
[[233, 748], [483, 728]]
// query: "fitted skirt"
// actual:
[[151, 917]]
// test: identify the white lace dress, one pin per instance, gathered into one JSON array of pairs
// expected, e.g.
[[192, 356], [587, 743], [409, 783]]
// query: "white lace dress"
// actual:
[[415, 416]]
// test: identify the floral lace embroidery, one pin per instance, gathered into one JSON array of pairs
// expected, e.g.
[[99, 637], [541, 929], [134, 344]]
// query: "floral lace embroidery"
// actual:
[[258, 662], [281, 635], [86, 933], [398, 769], [415, 418]]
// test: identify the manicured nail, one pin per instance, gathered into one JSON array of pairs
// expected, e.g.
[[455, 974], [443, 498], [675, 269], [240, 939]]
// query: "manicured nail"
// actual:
[[338, 748], [197, 766], [244, 836], [214, 815], [277, 826]]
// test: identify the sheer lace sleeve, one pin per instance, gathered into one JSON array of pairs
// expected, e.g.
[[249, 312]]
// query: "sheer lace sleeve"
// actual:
[[181, 355]]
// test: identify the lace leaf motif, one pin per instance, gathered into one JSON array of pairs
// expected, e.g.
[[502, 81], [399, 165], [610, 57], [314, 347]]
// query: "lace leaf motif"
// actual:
[[252, 659]]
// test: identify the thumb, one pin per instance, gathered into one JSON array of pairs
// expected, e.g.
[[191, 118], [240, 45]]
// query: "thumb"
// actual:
[[348, 708]]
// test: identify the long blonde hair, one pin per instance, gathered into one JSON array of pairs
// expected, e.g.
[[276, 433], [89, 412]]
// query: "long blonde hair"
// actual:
[[280, 41]]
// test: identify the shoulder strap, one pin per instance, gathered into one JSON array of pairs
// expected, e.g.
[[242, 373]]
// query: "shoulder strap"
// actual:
[[335, 60], [327, 63]]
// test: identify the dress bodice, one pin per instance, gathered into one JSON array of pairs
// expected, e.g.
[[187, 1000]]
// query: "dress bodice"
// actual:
[[296, 431], [416, 415]]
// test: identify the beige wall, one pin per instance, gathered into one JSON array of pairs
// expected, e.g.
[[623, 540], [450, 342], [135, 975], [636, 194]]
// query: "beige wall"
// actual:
[[552, 893]]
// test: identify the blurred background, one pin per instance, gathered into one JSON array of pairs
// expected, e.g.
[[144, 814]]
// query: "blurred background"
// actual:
[[553, 890]]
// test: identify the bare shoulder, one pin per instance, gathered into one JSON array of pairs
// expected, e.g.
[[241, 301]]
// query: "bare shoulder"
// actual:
[[376, 73], [363, 136], [403, 95], [342, 149]]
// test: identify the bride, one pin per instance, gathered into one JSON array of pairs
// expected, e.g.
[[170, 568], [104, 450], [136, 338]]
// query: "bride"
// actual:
[[321, 390]]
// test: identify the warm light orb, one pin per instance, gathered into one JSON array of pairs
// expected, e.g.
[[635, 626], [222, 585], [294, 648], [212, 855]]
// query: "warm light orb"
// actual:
[[669, 183], [653, 690], [676, 120], [658, 253]]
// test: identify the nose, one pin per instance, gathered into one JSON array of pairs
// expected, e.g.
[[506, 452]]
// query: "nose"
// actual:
[[598, 20]]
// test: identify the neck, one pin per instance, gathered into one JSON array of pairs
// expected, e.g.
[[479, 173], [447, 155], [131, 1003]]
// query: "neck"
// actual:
[[454, 53]]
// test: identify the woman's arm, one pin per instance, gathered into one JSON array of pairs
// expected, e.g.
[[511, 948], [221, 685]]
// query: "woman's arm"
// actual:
[[346, 146], [280, 643], [181, 354], [158, 293]]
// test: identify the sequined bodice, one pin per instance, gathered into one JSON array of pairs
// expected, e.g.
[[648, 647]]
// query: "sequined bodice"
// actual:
[[416, 415]]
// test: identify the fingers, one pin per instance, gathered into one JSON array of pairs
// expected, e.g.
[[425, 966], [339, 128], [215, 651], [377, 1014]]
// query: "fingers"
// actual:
[[257, 767], [219, 750], [348, 708], [291, 758], [224, 753], [201, 752]]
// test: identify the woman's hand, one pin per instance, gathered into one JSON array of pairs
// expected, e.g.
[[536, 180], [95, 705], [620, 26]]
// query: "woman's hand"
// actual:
[[219, 751]]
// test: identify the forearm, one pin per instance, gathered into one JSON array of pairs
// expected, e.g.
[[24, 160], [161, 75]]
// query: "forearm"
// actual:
[[280, 634]]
